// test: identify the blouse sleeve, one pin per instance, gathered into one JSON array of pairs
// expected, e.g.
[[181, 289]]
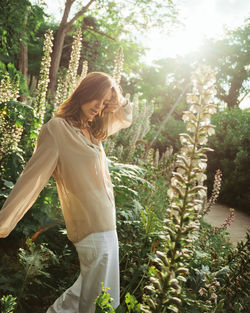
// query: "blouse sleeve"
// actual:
[[30, 182], [121, 118]]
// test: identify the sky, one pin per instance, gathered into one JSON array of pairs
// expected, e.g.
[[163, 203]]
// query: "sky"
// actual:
[[201, 19]]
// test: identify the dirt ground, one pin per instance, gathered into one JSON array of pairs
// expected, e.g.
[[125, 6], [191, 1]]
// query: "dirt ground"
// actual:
[[239, 226]]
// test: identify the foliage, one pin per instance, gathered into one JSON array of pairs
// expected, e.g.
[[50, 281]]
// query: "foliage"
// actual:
[[33, 264], [229, 57], [9, 88], [117, 145], [184, 263], [103, 304], [232, 153], [135, 243], [18, 129], [10, 75], [235, 288], [8, 304], [119, 20], [186, 194], [164, 82], [14, 116], [125, 176], [165, 79], [217, 271], [13, 28]]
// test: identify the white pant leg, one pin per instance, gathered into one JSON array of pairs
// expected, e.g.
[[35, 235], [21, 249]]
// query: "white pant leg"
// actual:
[[102, 265], [99, 262], [68, 302]]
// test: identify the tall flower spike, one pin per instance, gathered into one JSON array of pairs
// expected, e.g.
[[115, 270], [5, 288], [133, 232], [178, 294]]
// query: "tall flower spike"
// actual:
[[215, 192], [118, 66], [9, 90], [67, 81], [71, 76], [10, 136], [40, 98], [186, 195], [228, 221], [142, 112], [84, 70], [61, 90]]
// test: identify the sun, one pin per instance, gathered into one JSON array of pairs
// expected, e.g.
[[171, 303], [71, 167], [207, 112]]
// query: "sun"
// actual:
[[200, 22]]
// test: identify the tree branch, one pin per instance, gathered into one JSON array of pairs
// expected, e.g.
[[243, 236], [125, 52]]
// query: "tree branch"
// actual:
[[100, 33], [67, 8], [93, 30], [78, 14], [243, 97]]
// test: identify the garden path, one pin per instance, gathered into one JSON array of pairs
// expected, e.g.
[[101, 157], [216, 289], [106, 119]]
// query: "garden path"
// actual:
[[239, 226]]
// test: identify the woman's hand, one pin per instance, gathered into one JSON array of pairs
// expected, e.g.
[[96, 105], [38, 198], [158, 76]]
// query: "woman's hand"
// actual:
[[110, 108], [113, 104]]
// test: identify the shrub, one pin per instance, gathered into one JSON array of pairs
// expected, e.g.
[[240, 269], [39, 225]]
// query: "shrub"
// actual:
[[231, 145]]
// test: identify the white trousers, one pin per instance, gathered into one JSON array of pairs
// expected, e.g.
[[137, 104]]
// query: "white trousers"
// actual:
[[99, 262]]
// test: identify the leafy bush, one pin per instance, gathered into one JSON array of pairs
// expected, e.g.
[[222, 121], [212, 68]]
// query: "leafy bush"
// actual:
[[231, 145], [172, 240], [169, 136], [8, 304]]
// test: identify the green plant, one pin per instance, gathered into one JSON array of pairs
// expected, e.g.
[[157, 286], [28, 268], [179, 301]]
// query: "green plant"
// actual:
[[8, 304], [118, 66], [186, 197], [231, 145], [215, 193], [103, 302], [41, 92], [35, 263], [118, 145], [234, 292], [125, 177], [68, 78], [132, 218]]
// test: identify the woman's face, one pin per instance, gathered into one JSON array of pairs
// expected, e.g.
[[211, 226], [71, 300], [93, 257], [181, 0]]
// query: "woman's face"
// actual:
[[92, 108]]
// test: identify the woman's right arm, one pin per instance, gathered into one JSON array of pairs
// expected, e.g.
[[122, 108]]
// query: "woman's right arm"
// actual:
[[31, 181], [119, 118]]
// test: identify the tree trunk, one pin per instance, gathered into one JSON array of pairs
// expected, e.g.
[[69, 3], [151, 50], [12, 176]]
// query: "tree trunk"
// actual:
[[234, 92], [63, 29], [23, 60], [58, 46], [23, 57], [232, 99]]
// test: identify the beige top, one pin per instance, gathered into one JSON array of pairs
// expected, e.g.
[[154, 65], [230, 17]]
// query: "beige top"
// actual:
[[82, 177]]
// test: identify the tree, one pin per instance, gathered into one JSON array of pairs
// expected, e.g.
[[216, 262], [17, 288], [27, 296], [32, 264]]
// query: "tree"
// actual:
[[19, 21], [64, 28], [230, 58], [141, 15]]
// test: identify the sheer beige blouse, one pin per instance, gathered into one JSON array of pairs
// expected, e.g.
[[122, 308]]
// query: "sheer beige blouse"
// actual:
[[82, 177]]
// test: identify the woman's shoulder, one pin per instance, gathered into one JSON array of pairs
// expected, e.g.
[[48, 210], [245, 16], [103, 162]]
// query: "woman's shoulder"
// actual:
[[56, 122], [56, 126]]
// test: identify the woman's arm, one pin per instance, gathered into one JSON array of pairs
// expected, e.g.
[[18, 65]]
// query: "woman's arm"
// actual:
[[119, 118], [31, 181]]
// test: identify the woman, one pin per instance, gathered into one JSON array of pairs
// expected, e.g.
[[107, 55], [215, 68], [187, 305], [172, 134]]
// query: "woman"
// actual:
[[69, 148]]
